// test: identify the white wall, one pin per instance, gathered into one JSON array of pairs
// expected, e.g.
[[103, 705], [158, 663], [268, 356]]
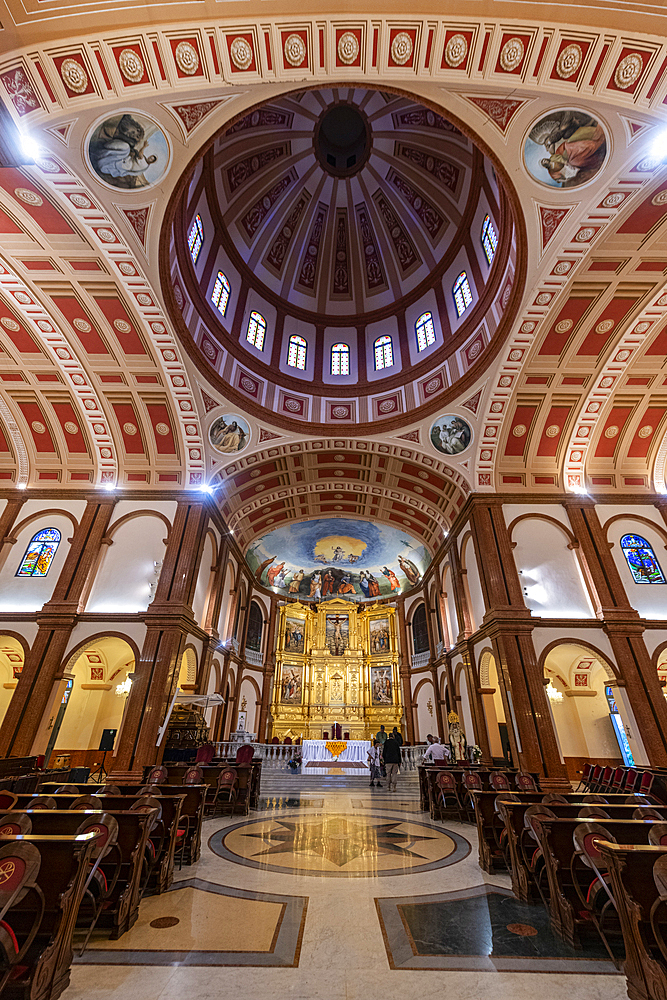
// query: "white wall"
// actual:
[[128, 566], [474, 587], [550, 577], [203, 579], [30, 593], [649, 599]]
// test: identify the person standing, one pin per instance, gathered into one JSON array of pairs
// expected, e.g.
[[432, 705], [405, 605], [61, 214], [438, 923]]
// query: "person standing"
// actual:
[[391, 755], [397, 736], [375, 763], [381, 736], [436, 751]]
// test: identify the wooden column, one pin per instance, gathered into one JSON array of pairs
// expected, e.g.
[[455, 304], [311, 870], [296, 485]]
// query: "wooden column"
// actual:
[[45, 660], [269, 671], [168, 622], [8, 519], [508, 623], [404, 671], [434, 672], [464, 621], [624, 627], [476, 704]]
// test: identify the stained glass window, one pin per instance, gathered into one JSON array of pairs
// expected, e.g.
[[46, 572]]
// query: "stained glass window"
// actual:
[[256, 330], [425, 331], [196, 238], [296, 355], [39, 554], [641, 559], [462, 293], [384, 353], [489, 239], [221, 292], [340, 359]]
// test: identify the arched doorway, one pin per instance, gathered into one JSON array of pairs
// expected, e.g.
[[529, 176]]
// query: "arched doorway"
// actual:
[[494, 710], [591, 713], [95, 687], [12, 658]]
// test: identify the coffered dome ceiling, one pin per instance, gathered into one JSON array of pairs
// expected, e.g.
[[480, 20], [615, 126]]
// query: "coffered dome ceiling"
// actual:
[[340, 216]]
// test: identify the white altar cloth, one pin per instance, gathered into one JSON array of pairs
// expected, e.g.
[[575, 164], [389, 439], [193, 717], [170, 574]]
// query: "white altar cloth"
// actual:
[[316, 750]]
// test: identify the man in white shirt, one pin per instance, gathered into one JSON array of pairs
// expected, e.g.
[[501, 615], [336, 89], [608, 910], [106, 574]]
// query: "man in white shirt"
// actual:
[[436, 751]]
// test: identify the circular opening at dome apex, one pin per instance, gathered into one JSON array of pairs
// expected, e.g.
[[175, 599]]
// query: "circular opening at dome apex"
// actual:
[[342, 140]]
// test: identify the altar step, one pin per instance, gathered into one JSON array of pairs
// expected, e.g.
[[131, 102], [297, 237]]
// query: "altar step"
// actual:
[[282, 782]]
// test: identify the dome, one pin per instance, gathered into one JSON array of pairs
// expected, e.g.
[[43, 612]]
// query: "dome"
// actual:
[[330, 246]]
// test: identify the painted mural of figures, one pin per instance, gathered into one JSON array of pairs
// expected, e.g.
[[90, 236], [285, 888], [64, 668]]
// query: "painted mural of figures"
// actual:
[[381, 690], [273, 573], [315, 586], [393, 579], [345, 587], [576, 147], [125, 148], [411, 572], [260, 569], [327, 583], [338, 554], [227, 438], [373, 586], [291, 686], [363, 583], [295, 582]]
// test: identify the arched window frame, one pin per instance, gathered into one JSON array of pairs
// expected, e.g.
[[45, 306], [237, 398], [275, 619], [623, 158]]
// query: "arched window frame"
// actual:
[[340, 359], [425, 331], [39, 554], [297, 352], [489, 239], [641, 559], [462, 293], [255, 628], [196, 238], [256, 331], [420, 643], [383, 350], [221, 292]]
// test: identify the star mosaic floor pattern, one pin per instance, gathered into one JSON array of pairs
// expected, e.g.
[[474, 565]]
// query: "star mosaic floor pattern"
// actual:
[[335, 890]]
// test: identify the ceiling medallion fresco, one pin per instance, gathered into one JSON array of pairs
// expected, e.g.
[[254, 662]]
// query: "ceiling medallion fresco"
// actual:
[[229, 434], [128, 151], [338, 557], [348, 222], [565, 148], [450, 434]]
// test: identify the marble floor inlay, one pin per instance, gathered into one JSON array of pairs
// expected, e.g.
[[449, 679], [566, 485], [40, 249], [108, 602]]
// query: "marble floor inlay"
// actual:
[[293, 902], [339, 845]]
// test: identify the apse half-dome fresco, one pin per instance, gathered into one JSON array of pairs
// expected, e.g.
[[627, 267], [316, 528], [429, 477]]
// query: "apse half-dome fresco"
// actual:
[[338, 557]]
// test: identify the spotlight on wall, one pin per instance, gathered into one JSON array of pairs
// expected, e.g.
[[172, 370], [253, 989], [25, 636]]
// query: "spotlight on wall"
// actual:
[[124, 687], [30, 147], [205, 488], [658, 148], [553, 693]]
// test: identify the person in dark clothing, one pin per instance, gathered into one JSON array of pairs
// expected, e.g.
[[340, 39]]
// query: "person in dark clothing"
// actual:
[[397, 736], [391, 755]]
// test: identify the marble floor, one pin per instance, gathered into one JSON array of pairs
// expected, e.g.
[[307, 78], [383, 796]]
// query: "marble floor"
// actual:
[[336, 890]]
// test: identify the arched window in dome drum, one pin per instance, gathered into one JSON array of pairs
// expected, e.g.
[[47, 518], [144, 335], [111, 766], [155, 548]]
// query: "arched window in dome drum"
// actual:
[[296, 354], [256, 330], [641, 559], [420, 630], [462, 294], [384, 353], [255, 624], [196, 238], [39, 554], [340, 359], [221, 292], [489, 239], [425, 331]]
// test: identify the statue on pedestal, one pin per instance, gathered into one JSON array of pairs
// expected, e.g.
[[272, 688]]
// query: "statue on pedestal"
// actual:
[[457, 740]]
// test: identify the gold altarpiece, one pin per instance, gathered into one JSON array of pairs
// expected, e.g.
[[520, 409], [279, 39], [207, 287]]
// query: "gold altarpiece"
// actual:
[[336, 662]]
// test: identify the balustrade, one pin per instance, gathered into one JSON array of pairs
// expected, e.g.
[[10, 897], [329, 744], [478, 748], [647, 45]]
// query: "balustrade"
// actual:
[[276, 755]]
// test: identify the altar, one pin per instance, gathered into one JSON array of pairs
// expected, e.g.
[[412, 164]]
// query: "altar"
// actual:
[[355, 750]]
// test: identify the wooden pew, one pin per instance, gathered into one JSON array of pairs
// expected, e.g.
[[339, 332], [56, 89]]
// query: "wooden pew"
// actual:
[[133, 832], [62, 876], [634, 890], [523, 885], [490, 824], [192, 807], [249, 780], [558, 850], [163, 870], [428, 776]]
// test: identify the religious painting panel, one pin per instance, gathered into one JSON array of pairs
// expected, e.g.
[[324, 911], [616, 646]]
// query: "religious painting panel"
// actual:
[[379, 635], [295, 634], [450, 434], [381, 686], [229, 434], [291, 686], [128, 151], [565, 148], [337, 633]]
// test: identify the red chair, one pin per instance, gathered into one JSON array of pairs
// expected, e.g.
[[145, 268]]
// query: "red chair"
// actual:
[[596, 777], [346, 736], [87, 802], [618, 779], [67, 790], [7, 800], [19, 825], [525, 782], [157, 776], [593, 812], [471, 782], [657, 834], [275, 740], [646, 783], [631, 778], [447, 791], [205, 754], [245, 753], [591, 877], [109, 790], [532, 856], [155, 842], [605, 781], [21, 863], [100, 882], [297, 743], [42, 802], [499, 781], [193, 776], [554, 799], [287, 741], [585, 778], [500, 828], [226, 790], [325, 736]]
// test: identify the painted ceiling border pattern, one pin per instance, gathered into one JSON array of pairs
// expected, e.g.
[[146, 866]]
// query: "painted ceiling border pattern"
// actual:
[[104, 235], [61, 352], [616, 67], [540, 307]]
